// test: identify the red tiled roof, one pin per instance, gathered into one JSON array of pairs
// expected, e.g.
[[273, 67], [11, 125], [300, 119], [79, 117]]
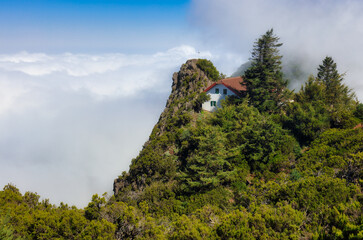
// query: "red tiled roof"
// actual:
[[234, 84]]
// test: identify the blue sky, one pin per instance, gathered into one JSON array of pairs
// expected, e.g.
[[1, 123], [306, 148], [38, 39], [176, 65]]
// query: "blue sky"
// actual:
[[82, 83], [90, 26]]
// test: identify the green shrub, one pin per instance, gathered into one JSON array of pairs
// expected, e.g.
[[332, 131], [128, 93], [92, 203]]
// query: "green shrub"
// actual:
[[208, 67]]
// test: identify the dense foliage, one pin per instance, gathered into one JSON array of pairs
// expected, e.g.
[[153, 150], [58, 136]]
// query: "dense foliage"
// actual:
[[25, 217], [208, 67], [266, 167], [323, 102], [264, 80]]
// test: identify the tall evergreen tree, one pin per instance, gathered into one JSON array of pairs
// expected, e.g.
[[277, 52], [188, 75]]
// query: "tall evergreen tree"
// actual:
[[336, 93], [264, 79], [338, 98]]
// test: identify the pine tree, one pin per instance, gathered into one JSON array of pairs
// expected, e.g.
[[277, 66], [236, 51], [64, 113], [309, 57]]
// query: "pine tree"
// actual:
[[336, 93], [338, 98], [264, 79]]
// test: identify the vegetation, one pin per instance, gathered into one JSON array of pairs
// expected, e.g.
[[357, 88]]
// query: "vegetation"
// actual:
[[336, 93], [323, 102], [25, 217], [208, 67], [274, 165], [264, 79]]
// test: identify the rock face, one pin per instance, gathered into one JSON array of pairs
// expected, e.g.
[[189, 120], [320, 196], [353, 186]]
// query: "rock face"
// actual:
[[187, 84], [181, 107]]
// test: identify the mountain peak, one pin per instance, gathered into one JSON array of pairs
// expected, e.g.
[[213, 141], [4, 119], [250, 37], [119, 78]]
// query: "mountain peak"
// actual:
[[181, 107]]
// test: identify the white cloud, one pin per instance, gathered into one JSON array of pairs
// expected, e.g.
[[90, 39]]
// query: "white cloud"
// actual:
[[78, 65], [310, 30], [24, 57], [106, 75], [73, 146]]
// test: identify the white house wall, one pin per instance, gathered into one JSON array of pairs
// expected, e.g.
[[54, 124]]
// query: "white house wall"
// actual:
[[216, 97]]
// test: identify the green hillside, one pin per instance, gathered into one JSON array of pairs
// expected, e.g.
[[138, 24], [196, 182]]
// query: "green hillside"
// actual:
[[273, 165]]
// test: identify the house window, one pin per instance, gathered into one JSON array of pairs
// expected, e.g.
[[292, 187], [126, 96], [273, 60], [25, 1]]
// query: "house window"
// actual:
[[225, 91], [217, 90], [213, 103]]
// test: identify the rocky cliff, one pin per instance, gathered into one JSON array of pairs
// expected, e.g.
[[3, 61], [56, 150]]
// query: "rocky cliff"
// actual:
[[187, 84], [182, 105]]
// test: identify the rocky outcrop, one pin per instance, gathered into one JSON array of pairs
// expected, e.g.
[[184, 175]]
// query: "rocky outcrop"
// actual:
[[187, 84], [181, 106]]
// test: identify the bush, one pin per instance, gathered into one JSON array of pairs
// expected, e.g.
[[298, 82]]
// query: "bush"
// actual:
[[210, 70]]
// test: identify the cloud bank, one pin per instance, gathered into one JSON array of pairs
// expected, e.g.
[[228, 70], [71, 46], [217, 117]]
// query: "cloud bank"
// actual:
[[71, 123], [310, 30]]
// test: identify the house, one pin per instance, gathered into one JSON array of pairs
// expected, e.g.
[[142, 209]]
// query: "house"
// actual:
[[218, 91]]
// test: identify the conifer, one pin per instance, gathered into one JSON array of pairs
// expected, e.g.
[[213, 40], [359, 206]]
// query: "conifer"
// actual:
[[266, 86], [336, 93]]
